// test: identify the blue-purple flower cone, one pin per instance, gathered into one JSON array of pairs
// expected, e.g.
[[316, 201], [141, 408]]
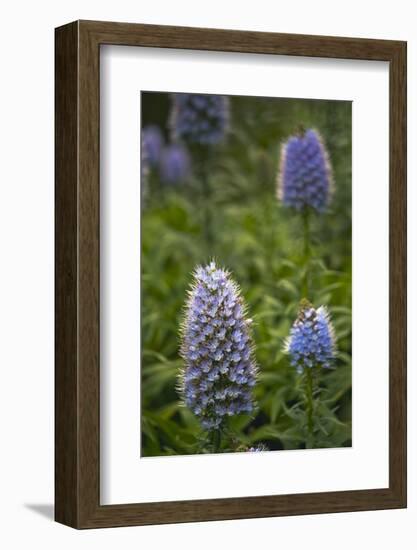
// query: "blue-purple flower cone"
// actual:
[[152, 144], [311, 342], [305, 175], [220, 370], [199, 119], [174, 165]]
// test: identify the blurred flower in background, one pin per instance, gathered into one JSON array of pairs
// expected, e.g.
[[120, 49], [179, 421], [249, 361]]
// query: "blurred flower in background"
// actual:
[[305, 174], [174, 164], [199, 119], [144, 165], [152, 144], [258, 448], [144, 174], [216, 346], [312, 341]]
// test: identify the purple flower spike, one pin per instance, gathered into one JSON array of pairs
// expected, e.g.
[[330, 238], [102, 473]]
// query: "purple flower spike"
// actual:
[[144, 173], [198, 118], [305, 176], [174, 166], [220, 369], [152, 144], [312, 341]]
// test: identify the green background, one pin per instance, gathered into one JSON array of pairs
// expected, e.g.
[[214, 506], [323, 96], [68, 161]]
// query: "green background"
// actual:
[[260, 242]]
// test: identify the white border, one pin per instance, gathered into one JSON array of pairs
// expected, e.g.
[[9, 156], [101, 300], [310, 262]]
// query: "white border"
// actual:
[[124, 476]]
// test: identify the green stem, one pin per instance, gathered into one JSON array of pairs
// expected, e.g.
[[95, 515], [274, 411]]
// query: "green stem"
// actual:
[[271, 248], [202, 155], [309, 408], [306, 293], [217, 438], [307, 253], [208, 220]]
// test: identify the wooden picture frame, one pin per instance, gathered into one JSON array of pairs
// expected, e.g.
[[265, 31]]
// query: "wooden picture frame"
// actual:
[[77, 374]]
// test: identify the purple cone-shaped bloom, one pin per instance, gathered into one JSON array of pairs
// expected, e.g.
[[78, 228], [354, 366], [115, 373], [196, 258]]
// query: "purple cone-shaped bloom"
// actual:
[[198, 118], [174, 165], [152, 144], [311, 342], [305, 175], [220, 370]]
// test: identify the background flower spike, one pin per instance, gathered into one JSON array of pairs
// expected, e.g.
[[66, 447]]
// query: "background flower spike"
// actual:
[[175, 164], [305, 178], [201, 119]]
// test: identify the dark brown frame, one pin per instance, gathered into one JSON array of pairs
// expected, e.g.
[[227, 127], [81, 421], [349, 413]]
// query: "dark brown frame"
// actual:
[[77, 274]]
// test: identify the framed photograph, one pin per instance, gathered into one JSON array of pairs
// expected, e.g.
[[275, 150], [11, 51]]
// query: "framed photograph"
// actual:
[[230, 274]]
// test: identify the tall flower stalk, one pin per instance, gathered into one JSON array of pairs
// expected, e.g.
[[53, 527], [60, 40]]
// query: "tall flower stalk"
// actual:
[[305, 184], [201, 121], [311, 346], [217, 349]]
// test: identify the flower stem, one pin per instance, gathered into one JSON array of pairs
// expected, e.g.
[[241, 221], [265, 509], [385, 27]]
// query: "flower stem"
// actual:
[[203, 162], [217, 438], [306, 292], [307, 252], [309, 408], [208, 221]]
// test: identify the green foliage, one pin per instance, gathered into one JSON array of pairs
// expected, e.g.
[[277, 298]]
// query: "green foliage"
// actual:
[[260, 242]]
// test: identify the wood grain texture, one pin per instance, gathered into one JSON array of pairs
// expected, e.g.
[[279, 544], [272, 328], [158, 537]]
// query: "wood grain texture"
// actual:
[[66, 238], [78, 285], [398, 273]]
